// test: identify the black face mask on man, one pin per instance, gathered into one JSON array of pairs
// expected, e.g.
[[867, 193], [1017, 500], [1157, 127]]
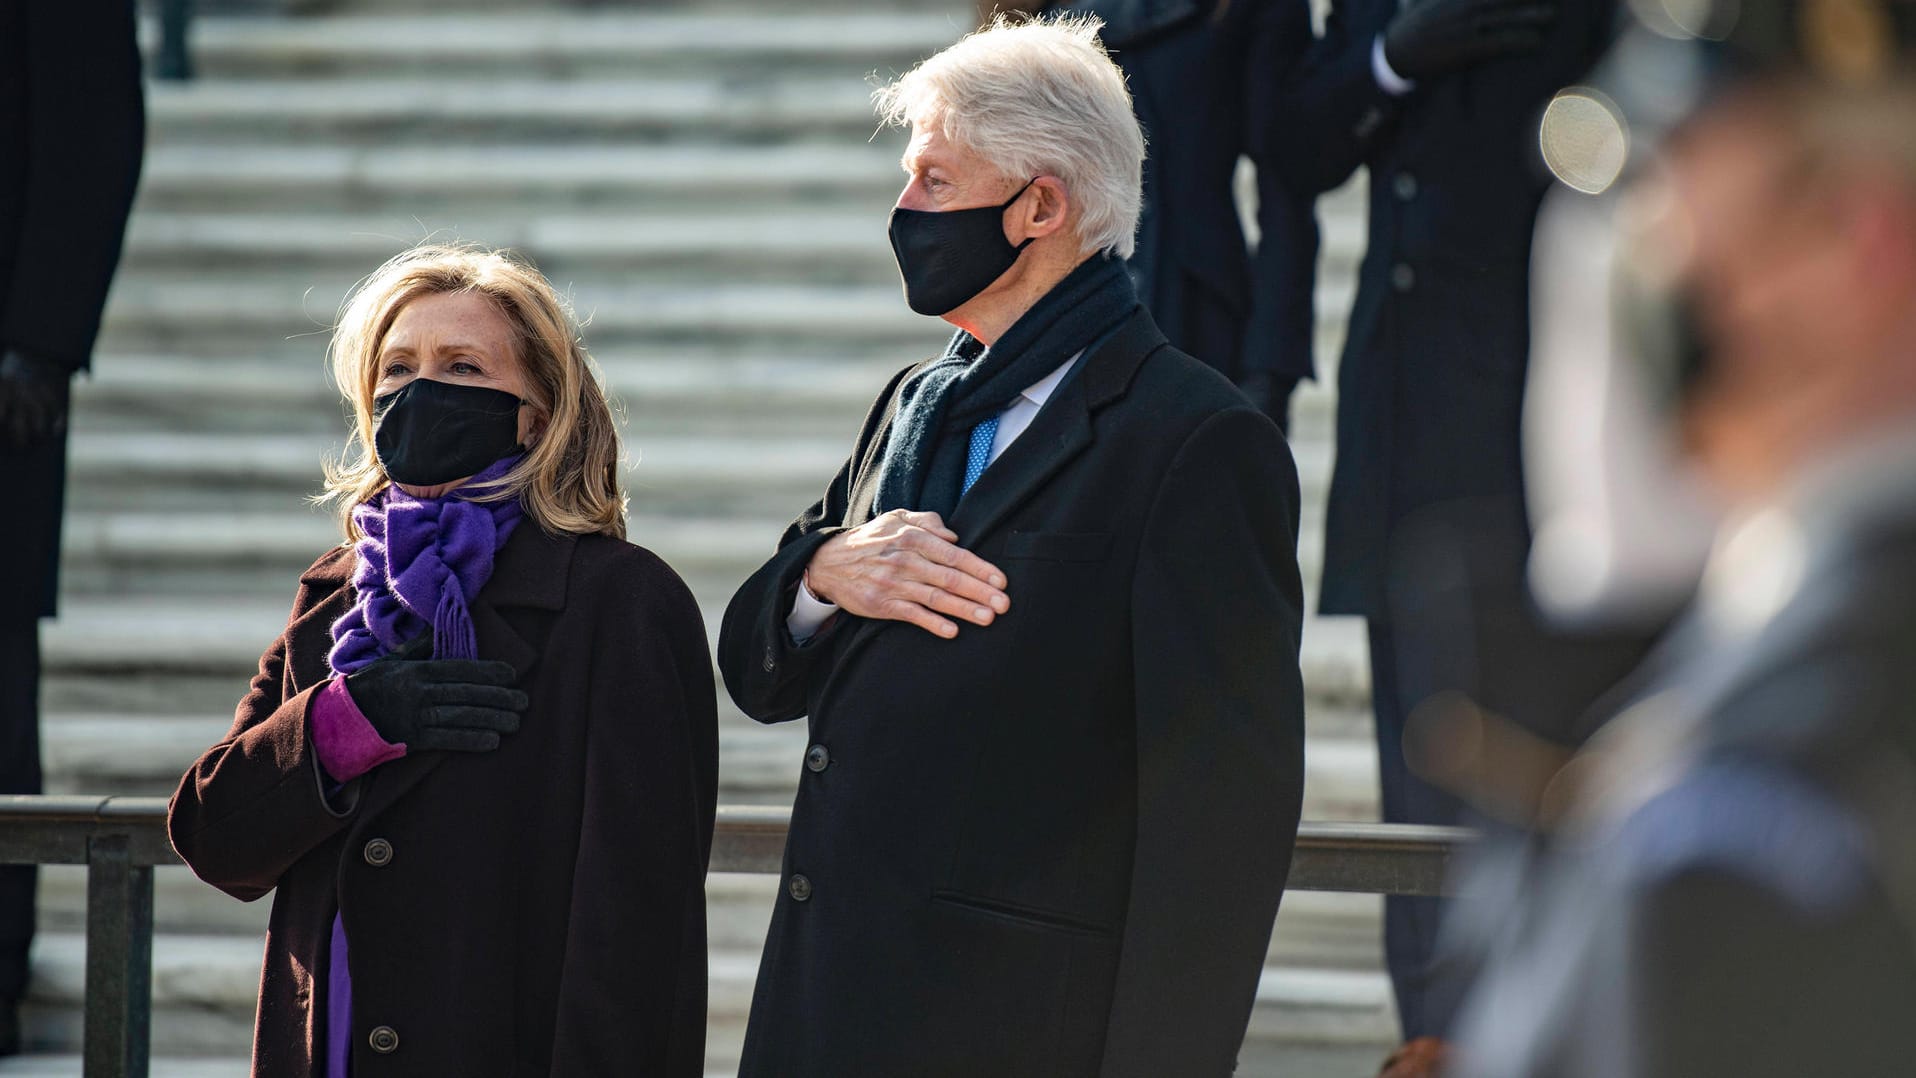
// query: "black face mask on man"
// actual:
[[949, 256], [427, 433]]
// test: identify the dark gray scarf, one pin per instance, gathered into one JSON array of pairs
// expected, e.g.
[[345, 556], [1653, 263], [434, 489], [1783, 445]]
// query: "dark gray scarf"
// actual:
[[923, 468]]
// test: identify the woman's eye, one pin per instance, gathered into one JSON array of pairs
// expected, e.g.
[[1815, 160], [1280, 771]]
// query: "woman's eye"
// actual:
[[463, 367], [394, 368]]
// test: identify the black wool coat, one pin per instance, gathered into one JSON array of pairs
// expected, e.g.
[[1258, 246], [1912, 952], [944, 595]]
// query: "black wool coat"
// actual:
[[1430, 389], [536, 910], [72, 131], [1055, 846], [1200, 75]]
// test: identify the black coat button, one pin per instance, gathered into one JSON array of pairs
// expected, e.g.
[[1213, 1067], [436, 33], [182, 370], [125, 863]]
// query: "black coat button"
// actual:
[[1404, 186], [800, 888], [384, 1040], [817, 759], [379, 853], [1402, 277]]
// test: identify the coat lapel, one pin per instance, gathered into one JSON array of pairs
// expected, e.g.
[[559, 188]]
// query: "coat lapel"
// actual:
[[309, 636], [1060, 433], [530, 573]]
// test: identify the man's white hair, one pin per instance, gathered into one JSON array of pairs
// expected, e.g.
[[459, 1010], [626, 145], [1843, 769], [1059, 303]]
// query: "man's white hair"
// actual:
[[1038, 98]]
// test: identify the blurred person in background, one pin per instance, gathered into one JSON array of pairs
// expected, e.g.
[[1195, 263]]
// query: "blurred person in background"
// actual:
[[1200, 74], [479, 768], [1044, 623], [72, 132], [1425, 534], [1723, 881]]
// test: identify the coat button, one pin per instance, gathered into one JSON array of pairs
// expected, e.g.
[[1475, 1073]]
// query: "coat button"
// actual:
[[817, 759], [379, 853], [1402, 277], [800, 888], [384, 1040], [1404, 186]]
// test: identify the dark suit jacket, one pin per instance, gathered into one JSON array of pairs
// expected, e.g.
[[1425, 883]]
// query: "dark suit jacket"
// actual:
[[1431, 386], [1054, 846], [72, 128], [1734, 892], [1200, 76], [543, 909]]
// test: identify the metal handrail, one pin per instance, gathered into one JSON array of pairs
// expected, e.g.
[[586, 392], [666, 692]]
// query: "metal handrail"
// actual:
[[121, 839]]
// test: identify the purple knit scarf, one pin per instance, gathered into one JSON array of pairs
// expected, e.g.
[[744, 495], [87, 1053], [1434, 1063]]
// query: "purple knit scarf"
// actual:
[[420, 563]]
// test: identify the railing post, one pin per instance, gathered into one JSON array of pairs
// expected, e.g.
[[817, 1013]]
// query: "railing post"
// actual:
[[119, 960], [175, 62]]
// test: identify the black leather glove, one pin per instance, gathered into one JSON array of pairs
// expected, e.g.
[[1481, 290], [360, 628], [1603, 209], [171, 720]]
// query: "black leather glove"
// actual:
[[33, 398], [1436, 37], [445, 705], [1271, 393]]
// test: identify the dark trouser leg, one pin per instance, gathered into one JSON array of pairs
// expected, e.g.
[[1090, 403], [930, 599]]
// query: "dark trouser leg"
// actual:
[[19, 774], [1424, 998]]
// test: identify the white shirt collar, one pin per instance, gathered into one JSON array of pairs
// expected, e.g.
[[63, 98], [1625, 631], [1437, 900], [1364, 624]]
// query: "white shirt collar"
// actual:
[[1041, 392]]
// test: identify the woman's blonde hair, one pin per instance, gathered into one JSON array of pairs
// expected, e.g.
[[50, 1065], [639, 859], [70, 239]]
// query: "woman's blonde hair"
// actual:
[[569, 480]]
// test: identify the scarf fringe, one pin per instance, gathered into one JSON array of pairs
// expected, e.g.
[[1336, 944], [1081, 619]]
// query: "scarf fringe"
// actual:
[[452, 633]]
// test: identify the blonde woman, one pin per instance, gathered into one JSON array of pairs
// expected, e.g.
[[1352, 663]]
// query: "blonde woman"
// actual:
[[479, 765]]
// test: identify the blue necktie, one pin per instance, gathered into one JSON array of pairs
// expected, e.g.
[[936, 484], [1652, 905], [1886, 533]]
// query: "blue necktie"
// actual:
[[979, 455]]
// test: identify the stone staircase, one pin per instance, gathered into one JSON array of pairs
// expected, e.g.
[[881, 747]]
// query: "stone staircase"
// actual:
[[706, 183]]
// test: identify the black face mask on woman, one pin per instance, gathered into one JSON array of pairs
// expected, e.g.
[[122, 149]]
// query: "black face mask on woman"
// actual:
[[947, 257], [427, 433]]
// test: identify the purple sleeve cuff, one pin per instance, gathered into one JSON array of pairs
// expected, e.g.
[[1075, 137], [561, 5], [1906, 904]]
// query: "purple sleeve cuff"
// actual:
[[343, 739]]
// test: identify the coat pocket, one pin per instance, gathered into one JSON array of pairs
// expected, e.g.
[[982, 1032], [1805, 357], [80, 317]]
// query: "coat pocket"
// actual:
[[1026, 916], [1059, 546]]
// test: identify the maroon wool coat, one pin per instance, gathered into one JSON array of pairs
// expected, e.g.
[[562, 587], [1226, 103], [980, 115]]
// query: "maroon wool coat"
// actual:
[[537, 910]]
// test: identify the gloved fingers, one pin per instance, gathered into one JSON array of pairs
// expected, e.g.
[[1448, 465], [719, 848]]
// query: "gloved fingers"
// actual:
[[1516, 40], [1513, 16], [419, 647], [454, 740], [471, 718], [471, 695], [469, 671]]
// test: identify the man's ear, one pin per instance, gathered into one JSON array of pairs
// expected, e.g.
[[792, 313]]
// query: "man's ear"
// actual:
[[1047, 207]]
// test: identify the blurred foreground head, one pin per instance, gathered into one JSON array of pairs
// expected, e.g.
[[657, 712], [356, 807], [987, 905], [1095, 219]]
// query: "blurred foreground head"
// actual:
[[1736, 309]]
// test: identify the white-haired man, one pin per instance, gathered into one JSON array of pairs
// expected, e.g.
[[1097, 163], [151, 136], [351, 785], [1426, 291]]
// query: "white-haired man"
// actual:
[[1056, 717]]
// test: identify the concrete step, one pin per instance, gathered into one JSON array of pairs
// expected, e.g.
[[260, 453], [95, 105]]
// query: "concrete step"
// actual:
[[135, 754], [666, 475], [293, 312], [753, 108], [607, 245], [205, 989], [690, 390], [598, 248], [256, 553], [55, 1065], [593, 44], [146, 655], [1316, 931], [145, 754], [451, 179], [141, 636]]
